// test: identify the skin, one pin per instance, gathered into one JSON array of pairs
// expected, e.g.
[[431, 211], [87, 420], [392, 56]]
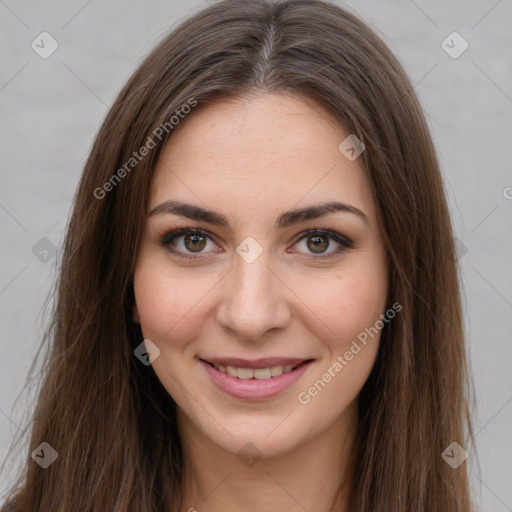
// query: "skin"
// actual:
[[251, 159]]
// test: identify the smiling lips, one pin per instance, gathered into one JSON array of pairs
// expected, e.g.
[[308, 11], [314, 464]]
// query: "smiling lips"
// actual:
[[256, 379]]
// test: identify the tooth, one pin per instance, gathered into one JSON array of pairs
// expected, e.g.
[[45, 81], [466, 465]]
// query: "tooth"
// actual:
[[262, 373], [275, 371], [216, 366], [231, 371], [258, 373], [245, 373]]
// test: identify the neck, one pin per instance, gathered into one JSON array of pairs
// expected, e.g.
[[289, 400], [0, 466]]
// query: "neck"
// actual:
[[308, 478]]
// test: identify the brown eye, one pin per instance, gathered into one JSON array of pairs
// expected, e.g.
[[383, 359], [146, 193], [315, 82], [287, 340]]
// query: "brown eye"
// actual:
[[188, 242], [322, 243], [195, 243], [318, 243]]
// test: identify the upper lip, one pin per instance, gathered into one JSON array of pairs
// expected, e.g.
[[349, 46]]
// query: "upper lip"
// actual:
[[265, 362]]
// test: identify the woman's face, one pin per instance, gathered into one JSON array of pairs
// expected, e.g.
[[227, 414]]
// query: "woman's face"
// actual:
[[269, 280]]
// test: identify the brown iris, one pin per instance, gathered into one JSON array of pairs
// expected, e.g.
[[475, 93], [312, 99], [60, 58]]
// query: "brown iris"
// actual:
[[319, 243], [197, 242]]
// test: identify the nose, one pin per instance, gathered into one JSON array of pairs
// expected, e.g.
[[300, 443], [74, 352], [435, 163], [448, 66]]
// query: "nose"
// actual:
[[253, 300]]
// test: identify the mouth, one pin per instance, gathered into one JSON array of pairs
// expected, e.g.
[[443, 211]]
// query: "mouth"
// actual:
[[256, 379], [259, 370]]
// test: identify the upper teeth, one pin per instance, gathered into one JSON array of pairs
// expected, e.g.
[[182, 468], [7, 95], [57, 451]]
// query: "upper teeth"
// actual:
[[256, 373]]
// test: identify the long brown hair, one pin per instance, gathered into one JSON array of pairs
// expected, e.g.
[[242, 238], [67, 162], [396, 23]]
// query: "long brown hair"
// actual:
[[107, 415]]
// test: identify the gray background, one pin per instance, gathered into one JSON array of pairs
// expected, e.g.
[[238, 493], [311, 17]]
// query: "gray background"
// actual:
[[51, 108]]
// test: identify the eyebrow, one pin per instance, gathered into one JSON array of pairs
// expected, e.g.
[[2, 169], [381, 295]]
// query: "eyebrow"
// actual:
[[286, 219]]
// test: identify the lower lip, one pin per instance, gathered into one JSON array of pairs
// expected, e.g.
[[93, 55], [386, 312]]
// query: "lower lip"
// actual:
[[255, 389]]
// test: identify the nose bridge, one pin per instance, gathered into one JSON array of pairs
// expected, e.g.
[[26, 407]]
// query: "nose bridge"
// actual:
[[253, 302]]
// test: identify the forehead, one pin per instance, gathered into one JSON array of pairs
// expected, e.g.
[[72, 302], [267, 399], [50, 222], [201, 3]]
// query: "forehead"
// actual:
[[259, 152]]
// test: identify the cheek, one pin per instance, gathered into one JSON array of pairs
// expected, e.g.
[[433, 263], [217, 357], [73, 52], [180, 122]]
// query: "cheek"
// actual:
[[359, 305], [169, 303], [347, 303], [350, 306]]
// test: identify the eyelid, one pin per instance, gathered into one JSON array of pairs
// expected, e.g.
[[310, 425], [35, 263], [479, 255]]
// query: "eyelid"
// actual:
[[337, 237], [168, 236]]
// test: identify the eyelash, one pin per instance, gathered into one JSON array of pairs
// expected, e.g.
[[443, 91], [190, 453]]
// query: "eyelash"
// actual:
[[344, 243]]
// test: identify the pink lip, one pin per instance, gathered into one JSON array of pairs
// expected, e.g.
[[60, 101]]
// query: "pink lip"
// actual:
[[255, 389]]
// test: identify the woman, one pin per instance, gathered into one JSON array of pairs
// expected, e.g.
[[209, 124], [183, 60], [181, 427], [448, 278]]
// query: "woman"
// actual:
[[258, 305]]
